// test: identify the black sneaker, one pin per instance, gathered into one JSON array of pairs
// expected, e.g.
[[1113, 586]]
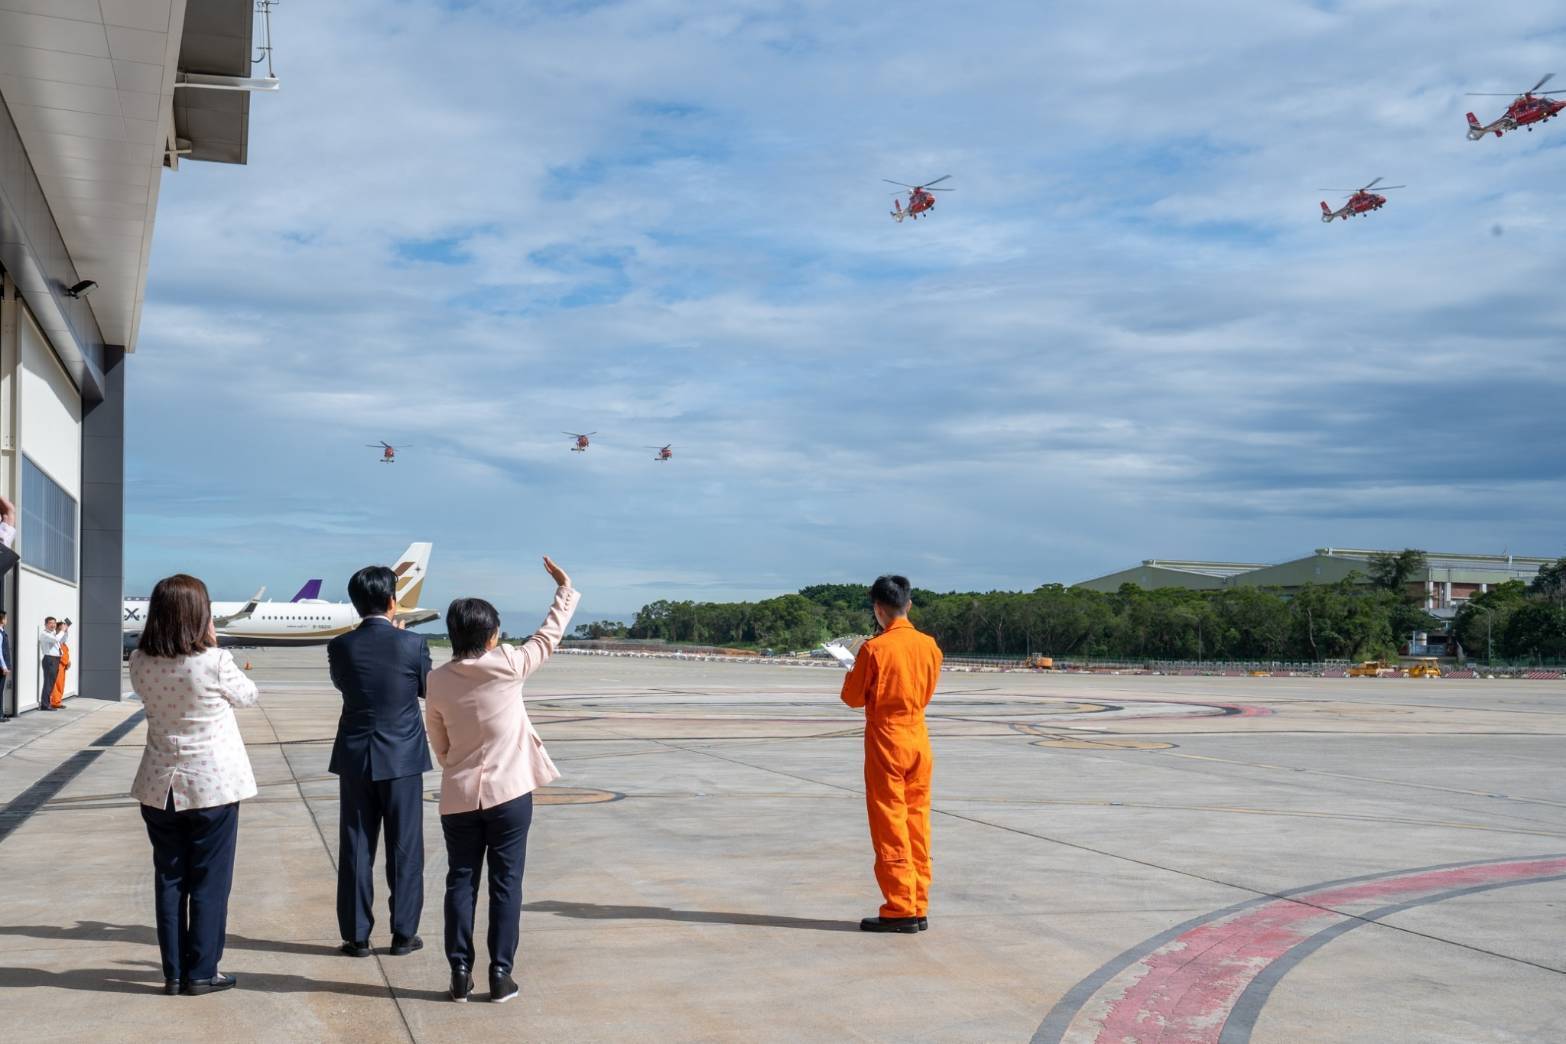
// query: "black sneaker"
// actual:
[[401, 947], [356, 948], [461, 984], [924, 924], [900, 925], [502, 987]]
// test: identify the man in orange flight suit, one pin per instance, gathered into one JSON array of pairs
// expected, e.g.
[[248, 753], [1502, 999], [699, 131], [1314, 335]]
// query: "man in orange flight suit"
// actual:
[[57, 697], [893, 678]]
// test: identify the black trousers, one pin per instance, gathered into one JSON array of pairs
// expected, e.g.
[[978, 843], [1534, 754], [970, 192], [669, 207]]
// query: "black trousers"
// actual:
[[499, 835], [193, 868], [366, 806], [51, 667]]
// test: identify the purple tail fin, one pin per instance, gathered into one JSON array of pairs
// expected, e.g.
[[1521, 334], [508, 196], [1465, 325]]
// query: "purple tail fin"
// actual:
[[311, 589]]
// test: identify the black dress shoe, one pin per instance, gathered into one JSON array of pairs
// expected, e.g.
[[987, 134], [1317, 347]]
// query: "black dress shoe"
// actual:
[[502, 987], [900, 925], [198, 987], [924, 924], [461, 983], [356, 949], [170, 987], [401, 947]]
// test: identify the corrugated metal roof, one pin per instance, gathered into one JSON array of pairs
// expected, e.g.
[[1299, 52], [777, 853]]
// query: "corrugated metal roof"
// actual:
[[1449, 559], [1204, 568]]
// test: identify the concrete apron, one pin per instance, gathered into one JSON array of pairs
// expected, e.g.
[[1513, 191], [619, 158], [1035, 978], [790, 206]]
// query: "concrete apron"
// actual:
[[698, 872]]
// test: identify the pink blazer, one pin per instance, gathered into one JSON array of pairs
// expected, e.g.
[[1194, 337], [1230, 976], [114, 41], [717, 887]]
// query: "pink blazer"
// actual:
[[478, 725]]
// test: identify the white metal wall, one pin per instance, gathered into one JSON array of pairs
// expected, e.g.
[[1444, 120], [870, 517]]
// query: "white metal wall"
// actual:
[[49, 422]]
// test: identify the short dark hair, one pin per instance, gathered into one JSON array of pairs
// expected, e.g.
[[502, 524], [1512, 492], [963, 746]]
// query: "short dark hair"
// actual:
[[894, 592], [179, 614], [372, 589], [470, 624], [48, 619]]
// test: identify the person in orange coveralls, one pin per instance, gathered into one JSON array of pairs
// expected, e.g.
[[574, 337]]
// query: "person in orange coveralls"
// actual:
[[57, 697], [893, 678]]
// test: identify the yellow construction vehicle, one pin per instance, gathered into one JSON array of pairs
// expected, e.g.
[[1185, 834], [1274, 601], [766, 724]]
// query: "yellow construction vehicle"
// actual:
[[1040, 663], [1373, 669], [1425, 667]]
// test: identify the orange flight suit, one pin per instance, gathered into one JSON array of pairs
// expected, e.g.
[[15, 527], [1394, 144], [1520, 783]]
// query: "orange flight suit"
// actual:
[[57, 697], [893, 679]]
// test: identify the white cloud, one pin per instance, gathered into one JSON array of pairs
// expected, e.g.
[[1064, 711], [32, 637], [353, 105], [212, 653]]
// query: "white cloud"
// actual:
[[1125, 334]]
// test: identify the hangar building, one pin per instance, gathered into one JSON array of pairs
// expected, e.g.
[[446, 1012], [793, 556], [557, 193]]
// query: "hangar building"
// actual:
[[1449, 579], [97, 99]]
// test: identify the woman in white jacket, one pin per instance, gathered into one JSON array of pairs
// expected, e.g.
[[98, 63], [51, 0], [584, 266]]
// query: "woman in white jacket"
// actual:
[[194, 772]]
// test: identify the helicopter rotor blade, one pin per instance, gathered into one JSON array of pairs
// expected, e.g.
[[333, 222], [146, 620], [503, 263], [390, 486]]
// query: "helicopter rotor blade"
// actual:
[[1489, 94], [1541, 83], [937, 181], [889, 181], [927, 189], [1370, 186]]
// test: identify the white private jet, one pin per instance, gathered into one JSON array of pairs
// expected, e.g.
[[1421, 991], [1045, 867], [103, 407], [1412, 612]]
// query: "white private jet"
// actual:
[[303, 621]]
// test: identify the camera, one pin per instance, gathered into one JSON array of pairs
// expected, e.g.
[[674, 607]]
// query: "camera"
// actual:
[[66, 621]]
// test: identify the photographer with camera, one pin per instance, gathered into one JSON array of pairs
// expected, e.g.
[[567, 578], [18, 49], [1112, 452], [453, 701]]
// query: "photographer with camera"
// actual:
[[50, 642], [57, 694]]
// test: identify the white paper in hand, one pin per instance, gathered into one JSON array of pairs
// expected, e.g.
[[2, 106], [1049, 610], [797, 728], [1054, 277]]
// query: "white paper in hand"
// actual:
[[840, 654]]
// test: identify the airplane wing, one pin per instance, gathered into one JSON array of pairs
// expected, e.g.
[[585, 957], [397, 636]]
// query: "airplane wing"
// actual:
[[414, 617], [243, 614]]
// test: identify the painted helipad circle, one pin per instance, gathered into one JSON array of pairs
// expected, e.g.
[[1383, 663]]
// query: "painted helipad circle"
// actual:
[[1100, 743], [559, 796], [573, 796]]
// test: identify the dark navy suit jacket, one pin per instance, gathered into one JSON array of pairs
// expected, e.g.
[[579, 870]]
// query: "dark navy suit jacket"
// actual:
[[380, 670]]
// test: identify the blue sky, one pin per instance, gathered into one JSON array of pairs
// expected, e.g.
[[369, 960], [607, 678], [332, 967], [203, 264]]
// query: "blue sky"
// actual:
[[1126, 334]]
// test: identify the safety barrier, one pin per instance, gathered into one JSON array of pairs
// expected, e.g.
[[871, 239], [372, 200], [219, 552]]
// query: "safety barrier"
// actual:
[[999, 665]]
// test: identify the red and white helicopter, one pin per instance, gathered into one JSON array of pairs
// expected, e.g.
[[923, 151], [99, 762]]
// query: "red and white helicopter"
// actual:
[[919, 198], [579, 443], [1359, 201], [664, 452], [1530, 107], [388, 451]]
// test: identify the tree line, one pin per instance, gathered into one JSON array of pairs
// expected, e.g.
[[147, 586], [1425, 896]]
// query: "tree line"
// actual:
[[1360, 617], [1518, 622]]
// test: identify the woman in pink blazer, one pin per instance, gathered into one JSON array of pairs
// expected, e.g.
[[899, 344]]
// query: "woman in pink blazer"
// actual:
[[194, 773], [491, 762]]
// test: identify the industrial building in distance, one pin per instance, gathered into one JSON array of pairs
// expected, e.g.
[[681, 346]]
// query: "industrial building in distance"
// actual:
[[1447, 581]]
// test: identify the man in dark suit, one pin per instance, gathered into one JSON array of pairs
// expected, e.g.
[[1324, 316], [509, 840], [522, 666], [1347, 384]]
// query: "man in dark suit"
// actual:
[[379, 758]]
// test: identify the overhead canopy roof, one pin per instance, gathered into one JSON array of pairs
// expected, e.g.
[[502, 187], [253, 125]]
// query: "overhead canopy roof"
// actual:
[[90, 86], [214, 125]]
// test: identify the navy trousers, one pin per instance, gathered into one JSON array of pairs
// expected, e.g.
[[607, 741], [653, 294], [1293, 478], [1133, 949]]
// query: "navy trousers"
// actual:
[[193, 868], [51, 668], [498, 835], [367, 805]]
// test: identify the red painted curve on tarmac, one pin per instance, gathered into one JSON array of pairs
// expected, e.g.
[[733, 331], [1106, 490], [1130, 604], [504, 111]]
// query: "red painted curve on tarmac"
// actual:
[[1183, 991]]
